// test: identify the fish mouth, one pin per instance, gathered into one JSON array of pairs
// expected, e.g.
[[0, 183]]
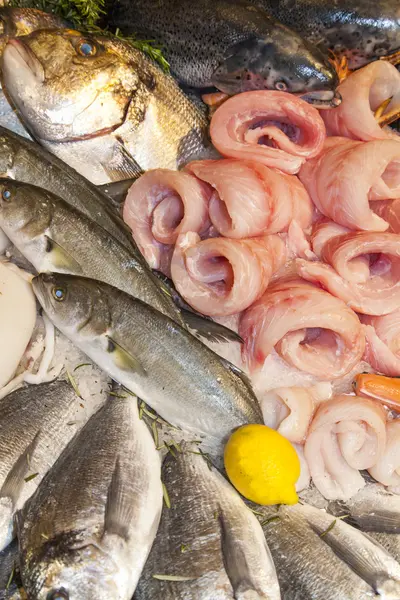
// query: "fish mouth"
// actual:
[[17, 52], [323, 98], [39, 289]]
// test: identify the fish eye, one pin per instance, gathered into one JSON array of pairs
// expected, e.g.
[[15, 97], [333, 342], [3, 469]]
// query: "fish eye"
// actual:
[[59, 294], [87, 48], [60, 594], [6, 194], [281, 86]]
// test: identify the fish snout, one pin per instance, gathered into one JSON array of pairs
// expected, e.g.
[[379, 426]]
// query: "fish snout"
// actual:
[[18, 55], [323, 98]]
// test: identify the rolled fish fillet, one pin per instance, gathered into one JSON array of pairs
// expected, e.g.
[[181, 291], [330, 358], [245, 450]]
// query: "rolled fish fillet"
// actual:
[[348, 175], [347, 435], [322, 232], [363, 92], [382, 347], [309, 328], [159, 206], [273, 128], [390, 211], [289, 410], [387, 469], [17, 319], [251, 199], [221, 276], [361, 268]]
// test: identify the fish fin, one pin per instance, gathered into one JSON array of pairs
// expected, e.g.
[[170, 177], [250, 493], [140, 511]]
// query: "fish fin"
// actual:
[[119, 507], [209, 330], [123, 359], [61, 258], [117, 190], [122, 165], [377, 521], [236, 371], [15, 479]]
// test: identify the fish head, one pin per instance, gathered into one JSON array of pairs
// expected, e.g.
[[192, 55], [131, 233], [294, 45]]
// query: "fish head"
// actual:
[[19, 203], [280, 62], [68, 86], [15, 22]]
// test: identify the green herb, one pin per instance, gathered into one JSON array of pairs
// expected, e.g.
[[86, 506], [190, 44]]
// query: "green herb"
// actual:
[[44, 536], [10, 578], [173, 578], [74, 384], [256, 512], [149, 414], [117, 395], [216, 514], [160, 447], [30, 477], [141, 410], [171, 450], [166, 496], [176, 445], [155, 432], [331, 526], [270, 520], [82, 365], [184, 548], [206, 457]]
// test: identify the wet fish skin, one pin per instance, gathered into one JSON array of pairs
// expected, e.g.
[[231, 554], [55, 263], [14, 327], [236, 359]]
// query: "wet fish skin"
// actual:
[[228, 44], [33, 432], [15, 22], [150, 355], [101, 105], [362, 30], [91, 539], [209, 536], [10, 582]]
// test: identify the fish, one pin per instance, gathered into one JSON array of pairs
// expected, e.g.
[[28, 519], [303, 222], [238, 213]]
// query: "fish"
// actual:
[[150, 355], [10, 582], [33, 432], [362, 31], [91, 539], [317, 556], [208, 540], [230, 45], [56, 237], [101, 105]]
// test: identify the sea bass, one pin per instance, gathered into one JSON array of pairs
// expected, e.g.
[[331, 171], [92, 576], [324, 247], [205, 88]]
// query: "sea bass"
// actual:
[[88, 530], [361, 30], [33, 432], [182, 379], [101, 105], [208, 540], [229, 44]]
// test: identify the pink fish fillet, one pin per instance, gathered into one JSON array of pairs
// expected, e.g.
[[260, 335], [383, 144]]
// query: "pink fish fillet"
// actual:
[[273, 128], [362, 93], [309, 328], [347, 434], [348, 175], [387, 469], [221, 276], [382, 348], [159, 206], [361, 268], [390, 211], [251, 199]]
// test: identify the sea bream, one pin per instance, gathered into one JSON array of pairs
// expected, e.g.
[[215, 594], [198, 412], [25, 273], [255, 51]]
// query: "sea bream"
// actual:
[[231, 45], [177, 375], [101, 105], [88, 530]]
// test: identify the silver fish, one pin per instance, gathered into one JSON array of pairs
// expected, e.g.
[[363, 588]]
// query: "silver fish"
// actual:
[[33, 432], [10, 583], [183, 380], [88, 530], [208, 540]]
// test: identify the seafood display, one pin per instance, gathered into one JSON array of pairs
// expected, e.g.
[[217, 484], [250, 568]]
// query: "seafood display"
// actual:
[[200, 300]]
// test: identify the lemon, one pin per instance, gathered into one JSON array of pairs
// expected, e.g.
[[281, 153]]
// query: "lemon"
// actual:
[[262, 465]]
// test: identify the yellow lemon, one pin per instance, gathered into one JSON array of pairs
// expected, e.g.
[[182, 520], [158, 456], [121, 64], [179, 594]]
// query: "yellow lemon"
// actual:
[[262, 465]]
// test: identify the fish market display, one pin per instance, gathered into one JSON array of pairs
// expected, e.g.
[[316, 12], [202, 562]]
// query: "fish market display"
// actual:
[[101, 105], [150, 355], [92, 538], [230, 45], [362, 31], [209, 545], [33, 433]]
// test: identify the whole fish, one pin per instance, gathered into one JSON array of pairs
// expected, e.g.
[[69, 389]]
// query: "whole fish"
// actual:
[[55, 237], [88, 530], [208, 540], [36, 423], [231, 45], [361, 30], [182, 379], [101, 105], [319, 557]]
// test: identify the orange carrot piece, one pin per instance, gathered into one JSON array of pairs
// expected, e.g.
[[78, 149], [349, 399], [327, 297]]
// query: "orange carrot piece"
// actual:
[[385, 389]]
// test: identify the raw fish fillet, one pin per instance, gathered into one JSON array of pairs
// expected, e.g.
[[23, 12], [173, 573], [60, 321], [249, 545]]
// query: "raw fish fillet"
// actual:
[[348, 175], [347, 435], [310, 329], [361, 268], [387, 469], [251, 199], [221, 276], [273, 128], [362, 93], [382, 348]]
